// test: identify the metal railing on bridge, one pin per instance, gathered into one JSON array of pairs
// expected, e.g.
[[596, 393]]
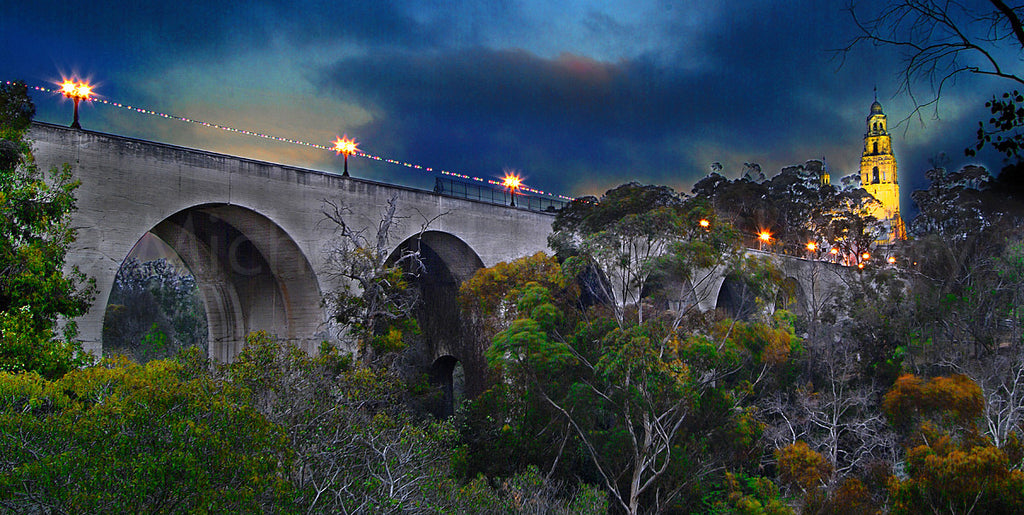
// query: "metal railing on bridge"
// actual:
[[493, 195]]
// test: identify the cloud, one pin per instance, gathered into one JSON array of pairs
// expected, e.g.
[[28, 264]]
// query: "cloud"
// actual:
[[756, 93], [576, 94]]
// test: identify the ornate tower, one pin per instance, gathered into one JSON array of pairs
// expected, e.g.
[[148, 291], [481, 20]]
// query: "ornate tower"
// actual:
[[878, 172]]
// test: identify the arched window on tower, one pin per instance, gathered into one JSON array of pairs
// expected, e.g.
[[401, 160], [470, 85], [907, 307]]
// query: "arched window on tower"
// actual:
[[876, 147], [874, 175]]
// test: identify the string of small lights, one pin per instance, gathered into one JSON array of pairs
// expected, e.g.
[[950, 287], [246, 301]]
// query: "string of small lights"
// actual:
[[256, 134]]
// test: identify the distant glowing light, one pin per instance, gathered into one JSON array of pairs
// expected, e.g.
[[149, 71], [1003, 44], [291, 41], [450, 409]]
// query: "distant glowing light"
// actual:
[[834, 251], [811, 246], [865, 256], [346, 146], [79, 90], [705, 223], [860, 266], [512, 182], [76, 91], [765, 236], [892, 260]]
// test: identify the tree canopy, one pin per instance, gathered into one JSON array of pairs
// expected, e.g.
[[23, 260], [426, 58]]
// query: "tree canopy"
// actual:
[[35, 231]]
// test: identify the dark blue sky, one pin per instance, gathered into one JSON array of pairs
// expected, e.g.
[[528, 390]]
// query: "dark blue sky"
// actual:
[[578, 96]]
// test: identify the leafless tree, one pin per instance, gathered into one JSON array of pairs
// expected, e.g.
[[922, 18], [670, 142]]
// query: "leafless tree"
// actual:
[[372, 287], [941, 40], [1001, 378], [837, 417]]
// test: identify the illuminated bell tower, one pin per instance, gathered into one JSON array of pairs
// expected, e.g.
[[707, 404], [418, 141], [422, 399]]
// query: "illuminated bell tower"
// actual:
[[878, 172]]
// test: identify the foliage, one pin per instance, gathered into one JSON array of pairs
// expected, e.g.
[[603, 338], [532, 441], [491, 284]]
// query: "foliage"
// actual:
[[958, 479], [621, 245], [358, 448], [1007, 117], [949, 466], [151, 300], [955, 398], [751, 496], [485, 296], [795, 208], [641, 403], [965, 283], [276, 431], [122, 438], [803, 467], [25, 347], [35, 232]]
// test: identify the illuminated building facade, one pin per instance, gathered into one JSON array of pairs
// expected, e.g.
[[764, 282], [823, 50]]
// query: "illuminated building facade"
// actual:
[[878, 173]]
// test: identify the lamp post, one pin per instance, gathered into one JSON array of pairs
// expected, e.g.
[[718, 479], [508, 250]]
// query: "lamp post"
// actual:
[[76, 91], [763, 238], [812, 248], [346, 146], [512, 182]]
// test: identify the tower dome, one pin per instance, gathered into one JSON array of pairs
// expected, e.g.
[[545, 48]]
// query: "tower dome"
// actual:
[[876, 108]]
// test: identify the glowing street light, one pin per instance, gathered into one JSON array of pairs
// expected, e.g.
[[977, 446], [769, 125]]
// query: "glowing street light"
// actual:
[[76, 91], [512, 182], [704, 223], [764, 237], [892, 260], [812, 246], [865, 256], [346, 146]]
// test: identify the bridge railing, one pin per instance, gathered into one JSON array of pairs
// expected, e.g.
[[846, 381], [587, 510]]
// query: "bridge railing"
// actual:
[[490, 194]]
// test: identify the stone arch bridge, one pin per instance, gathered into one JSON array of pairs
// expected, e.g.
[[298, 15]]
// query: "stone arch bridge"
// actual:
[[252, 234]]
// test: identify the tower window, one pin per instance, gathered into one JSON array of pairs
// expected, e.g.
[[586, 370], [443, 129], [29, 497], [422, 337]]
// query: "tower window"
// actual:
[[874, 175], [876, 147]]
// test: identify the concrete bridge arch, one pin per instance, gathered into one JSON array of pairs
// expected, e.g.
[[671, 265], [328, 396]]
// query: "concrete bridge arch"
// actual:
[[807, 286], [251, 275], [457, 366], [252, 231]]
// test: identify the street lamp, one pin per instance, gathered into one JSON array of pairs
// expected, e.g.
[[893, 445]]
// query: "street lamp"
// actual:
[[512, 182], [705, 223], [764, 237], [346, 146], [76, 91]]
